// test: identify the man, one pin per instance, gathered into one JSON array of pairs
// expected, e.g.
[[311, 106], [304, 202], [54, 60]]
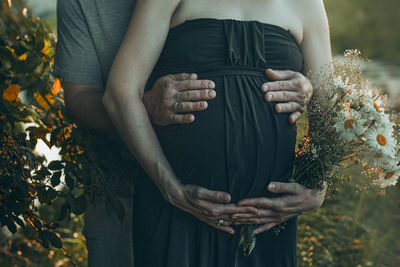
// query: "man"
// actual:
[[89, 35]]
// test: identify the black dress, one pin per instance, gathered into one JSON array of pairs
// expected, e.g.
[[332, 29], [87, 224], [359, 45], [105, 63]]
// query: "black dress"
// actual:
[[237, 145]]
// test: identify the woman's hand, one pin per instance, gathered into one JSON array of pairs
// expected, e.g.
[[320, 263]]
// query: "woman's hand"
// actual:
[[206, 205], [272, 211], [291, 89]]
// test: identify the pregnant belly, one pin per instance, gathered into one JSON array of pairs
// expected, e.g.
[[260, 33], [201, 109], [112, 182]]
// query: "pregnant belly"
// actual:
[[238, 144]]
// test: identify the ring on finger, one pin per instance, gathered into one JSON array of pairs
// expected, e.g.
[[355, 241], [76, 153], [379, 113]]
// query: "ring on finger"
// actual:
[[220, 222], [178, 106]]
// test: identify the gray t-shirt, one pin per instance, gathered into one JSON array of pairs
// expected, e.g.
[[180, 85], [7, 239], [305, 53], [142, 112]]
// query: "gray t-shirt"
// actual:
[[90, 33]]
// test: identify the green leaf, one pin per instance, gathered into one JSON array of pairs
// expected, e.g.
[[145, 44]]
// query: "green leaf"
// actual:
[[37, 223], [70, 181], [51, 193], [247, 240], [55, 178], [55, 165], [42, 195], [10, 225], [63, 212], [55, 240], [79, 205]]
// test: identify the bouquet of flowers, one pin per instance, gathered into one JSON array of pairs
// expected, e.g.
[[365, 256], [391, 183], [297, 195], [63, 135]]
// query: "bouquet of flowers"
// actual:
[[349, 124]]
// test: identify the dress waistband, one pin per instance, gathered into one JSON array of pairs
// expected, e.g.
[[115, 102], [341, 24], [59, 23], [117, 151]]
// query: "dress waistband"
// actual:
[[231, 70]]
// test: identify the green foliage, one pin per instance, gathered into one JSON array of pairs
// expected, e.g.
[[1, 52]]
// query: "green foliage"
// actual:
[[370, 26], [353, 228], [25, 68], [91, 169]]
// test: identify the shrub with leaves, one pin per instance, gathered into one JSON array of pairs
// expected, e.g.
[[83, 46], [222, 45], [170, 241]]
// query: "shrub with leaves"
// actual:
[[92, 166], [27, 96]]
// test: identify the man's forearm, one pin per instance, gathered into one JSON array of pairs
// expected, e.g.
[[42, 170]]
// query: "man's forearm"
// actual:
[[87, 109]]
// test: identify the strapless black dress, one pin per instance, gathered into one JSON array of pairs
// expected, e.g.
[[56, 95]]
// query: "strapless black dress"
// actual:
[[239, 144]]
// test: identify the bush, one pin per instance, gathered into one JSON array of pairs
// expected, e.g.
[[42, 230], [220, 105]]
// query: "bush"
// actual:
[[91, 167]]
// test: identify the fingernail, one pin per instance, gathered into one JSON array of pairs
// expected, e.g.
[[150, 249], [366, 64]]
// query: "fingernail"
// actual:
[[269, 97], [278, 108], [226, 198], [272, 186], [210, 85], [211, 93], [265, 88]]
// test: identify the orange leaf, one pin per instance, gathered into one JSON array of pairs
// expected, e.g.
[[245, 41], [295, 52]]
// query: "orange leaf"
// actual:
[[11, 50], [56, 86], [23, 56], [46, 47], [11, 93], [45, 101]]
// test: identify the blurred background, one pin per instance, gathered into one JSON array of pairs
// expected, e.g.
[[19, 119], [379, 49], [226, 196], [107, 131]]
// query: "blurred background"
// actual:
[[354, 228]]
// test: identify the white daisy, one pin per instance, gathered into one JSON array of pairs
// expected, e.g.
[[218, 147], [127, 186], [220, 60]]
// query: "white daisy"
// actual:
[[383, 121], [380, 140], [368, 112], [350, 126], [379, 160], [389, 177], [338, 82]]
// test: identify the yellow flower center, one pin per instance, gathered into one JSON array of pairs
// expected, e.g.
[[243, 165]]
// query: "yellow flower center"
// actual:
[[381, 140], [377, 107], [349, 124], [389, 175], [349, 91]]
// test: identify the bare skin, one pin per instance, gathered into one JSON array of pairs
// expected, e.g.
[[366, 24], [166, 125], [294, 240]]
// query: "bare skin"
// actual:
[[139, 51]]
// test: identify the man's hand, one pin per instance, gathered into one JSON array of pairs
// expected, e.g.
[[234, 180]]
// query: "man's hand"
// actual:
[[206, 205], [291, 89], [272, 211], [174, 97]]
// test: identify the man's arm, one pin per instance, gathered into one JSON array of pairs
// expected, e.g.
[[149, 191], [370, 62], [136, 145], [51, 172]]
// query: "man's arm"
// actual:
[[171, 101], [85, 104]]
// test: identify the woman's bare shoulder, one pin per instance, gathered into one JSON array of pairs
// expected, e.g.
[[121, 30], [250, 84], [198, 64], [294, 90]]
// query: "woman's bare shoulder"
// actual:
[[312, 14]]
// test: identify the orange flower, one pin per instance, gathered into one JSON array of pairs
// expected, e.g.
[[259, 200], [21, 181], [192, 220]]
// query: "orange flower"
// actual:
[[11, 93], [56, 86]]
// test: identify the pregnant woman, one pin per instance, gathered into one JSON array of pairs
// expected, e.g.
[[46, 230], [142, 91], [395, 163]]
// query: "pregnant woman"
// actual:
[[238, 145]]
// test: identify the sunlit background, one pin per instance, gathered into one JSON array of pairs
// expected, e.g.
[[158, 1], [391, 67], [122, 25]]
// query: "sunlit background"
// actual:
[[356, 228]]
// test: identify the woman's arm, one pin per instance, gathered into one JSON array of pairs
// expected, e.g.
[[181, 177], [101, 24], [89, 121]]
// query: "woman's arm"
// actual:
[[122, 99], [132, 66], [316, 44]]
